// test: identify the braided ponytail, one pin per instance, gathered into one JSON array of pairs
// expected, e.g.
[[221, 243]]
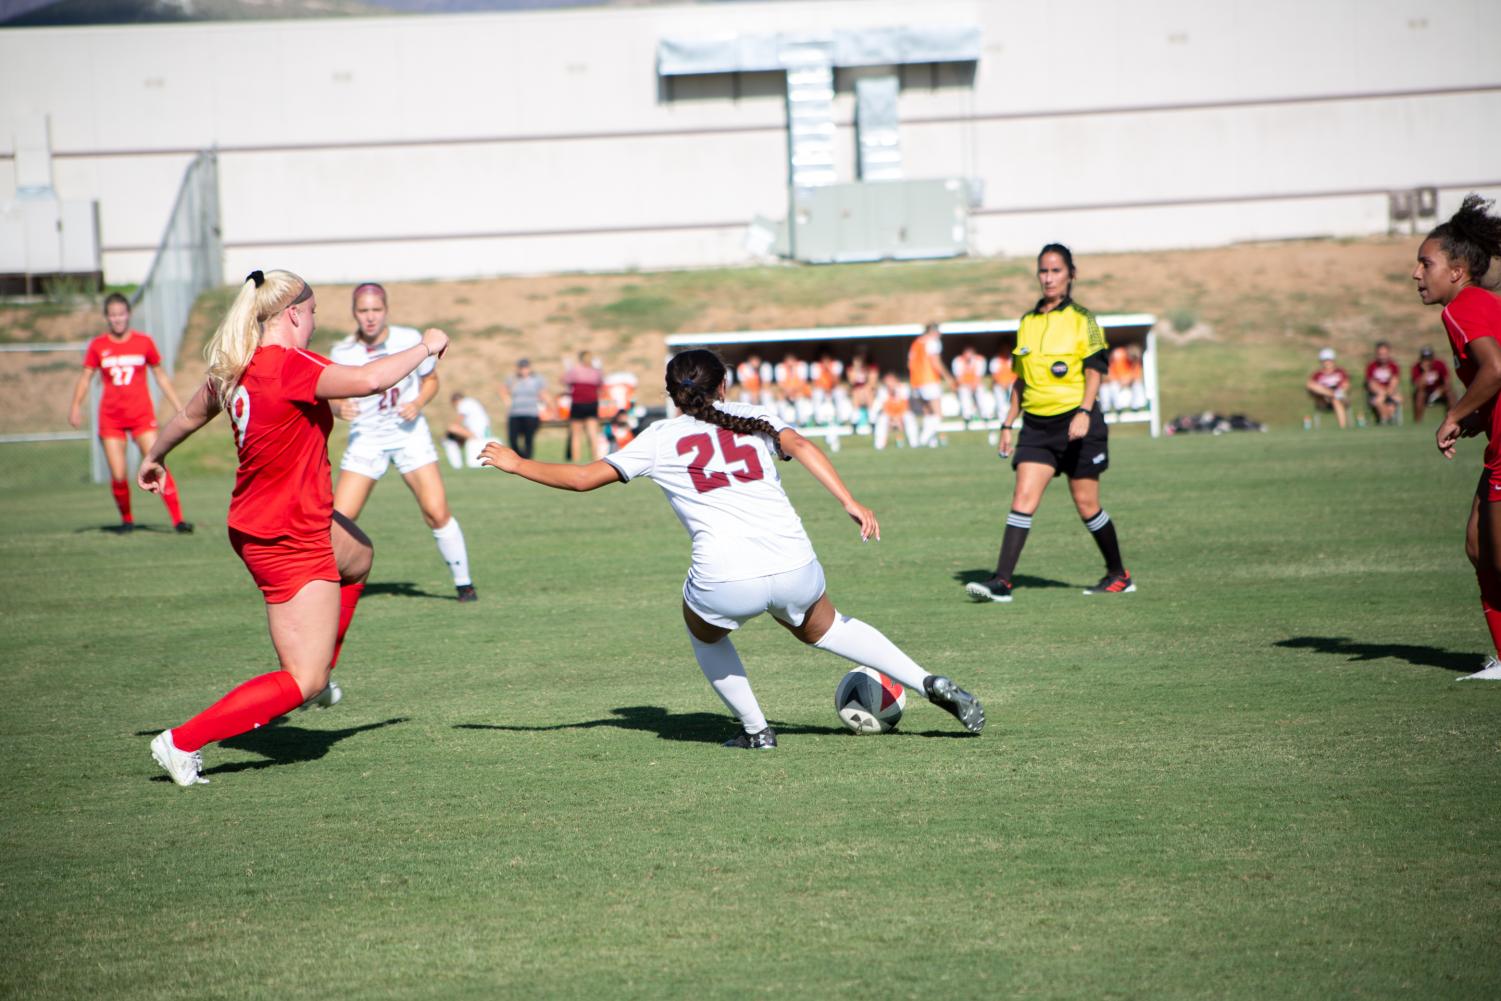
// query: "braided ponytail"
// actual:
[[1471, 236], [693, 381]]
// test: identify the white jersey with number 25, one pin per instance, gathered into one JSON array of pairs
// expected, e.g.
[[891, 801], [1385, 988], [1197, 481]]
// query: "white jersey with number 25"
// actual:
[[726, 491]]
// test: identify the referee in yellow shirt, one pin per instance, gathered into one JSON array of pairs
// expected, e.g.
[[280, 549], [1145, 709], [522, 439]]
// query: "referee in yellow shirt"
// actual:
[[1060, 358]]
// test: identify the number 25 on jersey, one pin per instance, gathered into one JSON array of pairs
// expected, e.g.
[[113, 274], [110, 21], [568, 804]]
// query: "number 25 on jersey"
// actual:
[[702, 447]]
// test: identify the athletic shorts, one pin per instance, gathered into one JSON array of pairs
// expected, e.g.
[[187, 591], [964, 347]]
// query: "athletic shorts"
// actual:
[[583, 411], [929, 392], [730, 603], [1045, 440], [120, 427], [369, 459], [282, 566]]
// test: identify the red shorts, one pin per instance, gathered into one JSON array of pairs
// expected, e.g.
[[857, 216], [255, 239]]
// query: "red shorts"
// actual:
[[117, 426], [281, 566]]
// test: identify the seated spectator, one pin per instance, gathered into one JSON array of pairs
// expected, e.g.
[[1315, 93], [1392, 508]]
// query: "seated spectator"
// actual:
[[894, 406], [863, 379], [1383, 385], [754, 377], [1430, 384], [795, 391], [467, 435], [1002, 380], [1329, 385], [831, 401], [968, 368]]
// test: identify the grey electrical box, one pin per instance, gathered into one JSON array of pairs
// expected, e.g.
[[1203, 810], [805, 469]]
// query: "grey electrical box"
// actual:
[[880, 220]]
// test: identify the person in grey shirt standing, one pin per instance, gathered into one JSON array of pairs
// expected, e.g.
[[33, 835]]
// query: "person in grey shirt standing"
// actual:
[[526, 394]]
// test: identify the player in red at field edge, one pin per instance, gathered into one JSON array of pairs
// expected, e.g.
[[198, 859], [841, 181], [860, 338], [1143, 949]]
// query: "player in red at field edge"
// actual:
[[1452, 261], [309, 562], [716, 463], [121, 356]]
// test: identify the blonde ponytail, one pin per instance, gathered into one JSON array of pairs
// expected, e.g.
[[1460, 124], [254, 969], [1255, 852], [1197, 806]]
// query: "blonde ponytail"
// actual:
[[261, 297]]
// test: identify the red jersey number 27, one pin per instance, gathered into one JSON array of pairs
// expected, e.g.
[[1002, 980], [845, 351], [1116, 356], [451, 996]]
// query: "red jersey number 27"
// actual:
[[702, 447]]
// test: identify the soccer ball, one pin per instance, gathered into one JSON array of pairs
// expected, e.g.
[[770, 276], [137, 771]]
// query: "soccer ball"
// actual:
[[869, 702]]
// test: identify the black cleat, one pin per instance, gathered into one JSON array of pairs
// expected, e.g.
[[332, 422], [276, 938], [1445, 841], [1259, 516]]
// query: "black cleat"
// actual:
[[125, 528], [948, 696], [183, 528], [993, 589], [466, 593], [763, 740], [1113, 583]]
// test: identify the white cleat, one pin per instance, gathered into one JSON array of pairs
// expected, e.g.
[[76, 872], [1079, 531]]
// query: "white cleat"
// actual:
[[325, 699], [183, 766], [1489, 671]]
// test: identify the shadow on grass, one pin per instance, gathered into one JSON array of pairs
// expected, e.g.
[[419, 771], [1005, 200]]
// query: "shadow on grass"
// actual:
[[403, 589], [1019, 581], [1418, 656], [281, 744], [707, 728], [118, 529]]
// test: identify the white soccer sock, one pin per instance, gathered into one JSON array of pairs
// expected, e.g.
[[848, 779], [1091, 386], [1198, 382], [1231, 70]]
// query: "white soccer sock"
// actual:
[[721, 665], [930, 428], [868, 646], [451, 547]]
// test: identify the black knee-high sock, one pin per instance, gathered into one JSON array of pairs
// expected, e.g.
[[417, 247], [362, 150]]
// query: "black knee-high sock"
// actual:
[[1017, 527], [1103, 530]]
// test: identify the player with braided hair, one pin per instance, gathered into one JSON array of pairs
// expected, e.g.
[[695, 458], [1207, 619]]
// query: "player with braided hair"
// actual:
[[716, 465], [1452, 263]]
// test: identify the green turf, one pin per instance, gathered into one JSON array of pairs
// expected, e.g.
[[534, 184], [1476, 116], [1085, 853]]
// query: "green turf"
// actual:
[[1254, 778]]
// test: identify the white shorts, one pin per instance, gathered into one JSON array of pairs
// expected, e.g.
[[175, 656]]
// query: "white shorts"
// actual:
[[929, 392], [371, 460], [729, 603]]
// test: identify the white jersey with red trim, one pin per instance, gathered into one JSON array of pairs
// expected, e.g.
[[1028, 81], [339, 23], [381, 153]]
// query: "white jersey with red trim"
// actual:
[[726, 490], [379, 422]]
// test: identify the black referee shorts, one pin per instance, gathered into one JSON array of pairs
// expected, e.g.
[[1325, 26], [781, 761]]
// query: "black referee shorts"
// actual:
[[1045, 440]]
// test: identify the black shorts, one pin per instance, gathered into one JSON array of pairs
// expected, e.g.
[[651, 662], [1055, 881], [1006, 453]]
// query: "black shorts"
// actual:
[[1045, 440], [583, 411]]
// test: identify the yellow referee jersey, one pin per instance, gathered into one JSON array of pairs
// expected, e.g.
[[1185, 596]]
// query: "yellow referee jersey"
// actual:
[[1051, 349]]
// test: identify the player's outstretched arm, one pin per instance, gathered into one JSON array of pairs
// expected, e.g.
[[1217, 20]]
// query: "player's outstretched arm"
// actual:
[[340, 381], [813, 459], [559, 475], [201, 409]]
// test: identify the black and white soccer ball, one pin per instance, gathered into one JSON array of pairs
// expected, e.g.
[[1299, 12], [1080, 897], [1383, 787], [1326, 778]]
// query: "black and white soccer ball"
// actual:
[[869, 702]]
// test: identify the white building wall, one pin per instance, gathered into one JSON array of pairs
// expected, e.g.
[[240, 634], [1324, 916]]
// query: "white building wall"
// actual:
[[484, 144]]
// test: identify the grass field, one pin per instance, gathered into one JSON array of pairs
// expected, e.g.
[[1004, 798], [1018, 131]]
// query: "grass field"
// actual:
[[1254, 778]]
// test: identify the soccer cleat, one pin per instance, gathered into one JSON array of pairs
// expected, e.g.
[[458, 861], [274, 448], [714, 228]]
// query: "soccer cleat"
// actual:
[[183, 528], [126, 527], [948, 696], [1489, 671], [183, 766], [762, 740], [466, 593], [993, 589], [325, 699], [1113, 583]]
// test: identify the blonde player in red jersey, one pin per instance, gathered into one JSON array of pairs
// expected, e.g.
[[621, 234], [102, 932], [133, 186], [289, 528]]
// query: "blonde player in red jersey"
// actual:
[[717, 465], [309, 562], [1452, 263], [121, 357]]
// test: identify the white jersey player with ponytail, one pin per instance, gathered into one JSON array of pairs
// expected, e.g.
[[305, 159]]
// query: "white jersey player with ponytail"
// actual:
[[389, 428], [717, 465]]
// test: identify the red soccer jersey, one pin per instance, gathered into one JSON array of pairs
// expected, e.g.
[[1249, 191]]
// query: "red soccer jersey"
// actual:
[[283, 486], [1382, 373], [1473, 314], [1436, 375], [1336, 379], [122, 368]]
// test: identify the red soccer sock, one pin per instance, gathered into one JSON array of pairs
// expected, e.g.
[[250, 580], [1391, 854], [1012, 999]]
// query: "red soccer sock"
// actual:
[[349, 596], [1490, 601], [169, 498], [255, 703], [121, 490]]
